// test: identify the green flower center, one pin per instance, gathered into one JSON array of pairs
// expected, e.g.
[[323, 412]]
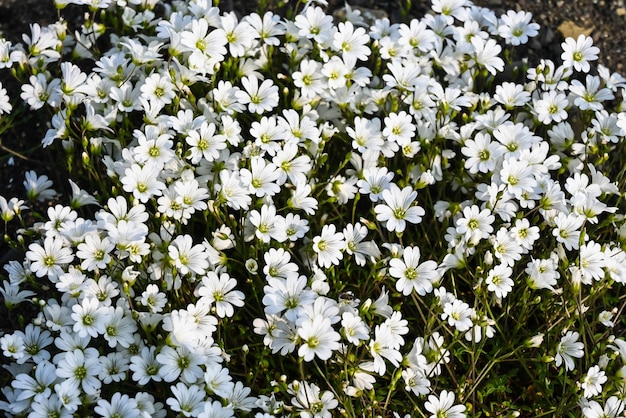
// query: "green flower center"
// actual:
[[183, 363], [410, 273], [313, 342], [48, 261], [399, 213], [154, 152], [88, 320], [80, 372]]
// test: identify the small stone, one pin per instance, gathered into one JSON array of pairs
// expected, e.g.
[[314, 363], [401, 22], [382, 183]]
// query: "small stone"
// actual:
[[570, 29]]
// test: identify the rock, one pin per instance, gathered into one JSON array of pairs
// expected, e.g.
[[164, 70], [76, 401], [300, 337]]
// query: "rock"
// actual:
[[570, 29]]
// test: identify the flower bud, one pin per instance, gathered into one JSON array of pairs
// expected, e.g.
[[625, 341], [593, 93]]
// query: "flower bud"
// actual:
[[252, 266], [535, 341]]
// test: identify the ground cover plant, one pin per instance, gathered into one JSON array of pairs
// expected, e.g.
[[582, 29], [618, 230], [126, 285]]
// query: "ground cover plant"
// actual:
[[287, 215]]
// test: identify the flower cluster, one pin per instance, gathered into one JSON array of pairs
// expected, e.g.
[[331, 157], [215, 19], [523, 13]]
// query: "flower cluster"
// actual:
[[297, 216]]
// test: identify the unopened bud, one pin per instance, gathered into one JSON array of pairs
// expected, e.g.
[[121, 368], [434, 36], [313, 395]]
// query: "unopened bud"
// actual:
[[534, 341], [252, 266]]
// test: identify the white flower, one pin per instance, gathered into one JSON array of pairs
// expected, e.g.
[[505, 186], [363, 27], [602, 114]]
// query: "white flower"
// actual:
[[121, 405], [95, 252], [593, 381], [443, 406], [261, 178], [264, 222], [152, 298], [5, 105], [605, 318], [569, 348], [499, 280], [188, 400], [218, 381], [154, 147], [458, 314], [399, 128], [482, 153], [411, 275], [143, 181], [38, 388], [158, 89], [81, 368], [511, 95], [70, 394], [374, 181], [291, 227], [356, 246], [119, 327], [613, 407], [314, 24], [351, 42], [218, 291], [260, 99], [51, 406], [318, 338], [12, 346], [524, 234], [89, 317], [517, 175], [506, 249], [238, 398], [335, 71], [240, 35], [516, 27], [38, 187], [266, 28], [353, 328], [567, 230], [475, 224], [290, 294], [232, 190], [592, 262], [188, 258], [589, 95], [416, 381], [341, 188], [329, 246], [380, 348], [114, 368], [182, 362], [416, 36], [311, 402], [145, 367], [486, 54], [578, 52], [398, 208], [301, 198], [207, 47], [216, 410], [204, 143], [552, 107], [309, 79]]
